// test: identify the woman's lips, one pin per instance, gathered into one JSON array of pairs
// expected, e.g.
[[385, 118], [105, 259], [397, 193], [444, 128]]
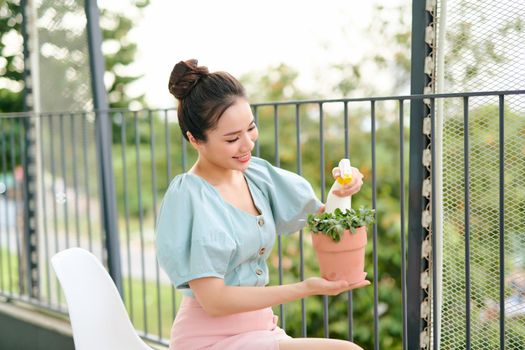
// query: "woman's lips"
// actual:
[[243, 158]]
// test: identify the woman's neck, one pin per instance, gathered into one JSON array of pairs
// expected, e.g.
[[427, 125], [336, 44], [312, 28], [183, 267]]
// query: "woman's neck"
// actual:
[[213, 174]]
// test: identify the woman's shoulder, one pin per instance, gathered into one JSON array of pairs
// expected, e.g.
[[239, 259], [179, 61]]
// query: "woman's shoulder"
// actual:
[[190, 187], [184, 181]]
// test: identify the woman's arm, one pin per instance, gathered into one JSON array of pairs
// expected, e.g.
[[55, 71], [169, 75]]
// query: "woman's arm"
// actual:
[[218, 299]]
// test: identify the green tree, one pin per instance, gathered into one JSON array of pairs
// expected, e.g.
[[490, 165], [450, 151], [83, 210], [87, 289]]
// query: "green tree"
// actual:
[[11, 61], [480, 44], [119, 55], [63, 50], [385, 68]]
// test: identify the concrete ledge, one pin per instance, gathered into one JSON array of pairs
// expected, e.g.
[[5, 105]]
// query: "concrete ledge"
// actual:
[[22, 327]]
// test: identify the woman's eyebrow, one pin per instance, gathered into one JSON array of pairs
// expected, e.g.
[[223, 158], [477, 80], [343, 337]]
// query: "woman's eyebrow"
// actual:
[[238, 131]]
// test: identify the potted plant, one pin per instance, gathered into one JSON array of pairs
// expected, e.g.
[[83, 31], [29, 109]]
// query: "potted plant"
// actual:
[[339, 239]]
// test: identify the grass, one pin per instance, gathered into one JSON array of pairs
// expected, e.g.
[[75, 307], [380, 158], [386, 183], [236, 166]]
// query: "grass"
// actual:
[[151, 306], [8, 273]]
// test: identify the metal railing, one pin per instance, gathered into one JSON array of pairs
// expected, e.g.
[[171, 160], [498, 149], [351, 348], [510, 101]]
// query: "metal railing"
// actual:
[[60, 175]]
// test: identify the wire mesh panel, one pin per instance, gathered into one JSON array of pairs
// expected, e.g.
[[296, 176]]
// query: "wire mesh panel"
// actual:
[[483, 251], [63, 56]]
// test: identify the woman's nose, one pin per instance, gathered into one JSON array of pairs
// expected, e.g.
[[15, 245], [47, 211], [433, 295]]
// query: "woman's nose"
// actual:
[[247, 142]]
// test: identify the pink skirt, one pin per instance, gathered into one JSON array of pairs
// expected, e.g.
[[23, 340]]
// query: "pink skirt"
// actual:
[[194, 329]]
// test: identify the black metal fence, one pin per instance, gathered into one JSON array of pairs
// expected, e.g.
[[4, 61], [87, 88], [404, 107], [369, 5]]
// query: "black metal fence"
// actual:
[[53, 196]]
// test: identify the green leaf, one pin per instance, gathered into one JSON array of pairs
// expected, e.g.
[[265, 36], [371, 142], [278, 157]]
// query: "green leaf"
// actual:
[[334, 224]]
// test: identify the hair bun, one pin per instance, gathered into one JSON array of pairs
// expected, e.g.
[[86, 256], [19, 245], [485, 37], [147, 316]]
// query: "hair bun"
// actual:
[[185, 76]]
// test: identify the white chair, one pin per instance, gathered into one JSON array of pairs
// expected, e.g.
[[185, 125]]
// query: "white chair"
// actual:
[[98, 317]]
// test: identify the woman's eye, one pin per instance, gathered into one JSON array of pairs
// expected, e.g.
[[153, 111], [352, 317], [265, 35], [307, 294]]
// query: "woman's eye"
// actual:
[[232, 141]]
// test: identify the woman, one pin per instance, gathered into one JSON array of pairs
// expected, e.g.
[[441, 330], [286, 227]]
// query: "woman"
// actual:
[[218, 222]]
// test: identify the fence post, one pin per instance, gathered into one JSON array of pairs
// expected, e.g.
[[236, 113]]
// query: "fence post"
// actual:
[[103, 137], [417, 234], [28, 154]]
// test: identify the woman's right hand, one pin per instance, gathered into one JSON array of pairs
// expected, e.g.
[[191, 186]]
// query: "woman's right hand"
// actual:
[[321, 286]]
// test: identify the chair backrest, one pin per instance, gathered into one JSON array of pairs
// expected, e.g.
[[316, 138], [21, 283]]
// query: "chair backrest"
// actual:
[[98, 316]]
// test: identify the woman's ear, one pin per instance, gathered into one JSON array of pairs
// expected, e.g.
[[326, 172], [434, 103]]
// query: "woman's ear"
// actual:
[[193, 141]]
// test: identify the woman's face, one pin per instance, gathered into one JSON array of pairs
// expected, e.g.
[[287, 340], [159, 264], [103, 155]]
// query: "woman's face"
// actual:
[[230, 143]]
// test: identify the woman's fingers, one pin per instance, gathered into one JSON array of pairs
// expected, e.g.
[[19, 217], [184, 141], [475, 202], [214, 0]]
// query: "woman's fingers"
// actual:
[[337, 287], [321, 209], [360, 284], [321, 286], [336, 172], [343, 286], [353, 187]]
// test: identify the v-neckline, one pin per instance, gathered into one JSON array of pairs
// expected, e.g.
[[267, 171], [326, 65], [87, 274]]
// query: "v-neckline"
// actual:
[[250, 192]]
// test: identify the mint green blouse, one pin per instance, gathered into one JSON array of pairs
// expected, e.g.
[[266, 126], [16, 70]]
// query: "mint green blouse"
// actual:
[[199, 234]]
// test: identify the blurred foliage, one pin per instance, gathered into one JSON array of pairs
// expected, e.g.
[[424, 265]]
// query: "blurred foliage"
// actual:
[[11, 61], [115, 32], [67, 47]]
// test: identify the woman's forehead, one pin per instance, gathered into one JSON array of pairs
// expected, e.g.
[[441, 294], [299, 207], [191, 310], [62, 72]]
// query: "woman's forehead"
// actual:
[[237, 115]]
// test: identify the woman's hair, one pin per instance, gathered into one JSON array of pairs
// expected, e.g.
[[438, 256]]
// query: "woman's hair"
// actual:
[[202, 96]]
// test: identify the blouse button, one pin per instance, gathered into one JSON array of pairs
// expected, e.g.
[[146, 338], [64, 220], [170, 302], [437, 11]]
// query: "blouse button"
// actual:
[[261, 222], [262, 250], [259, 272]]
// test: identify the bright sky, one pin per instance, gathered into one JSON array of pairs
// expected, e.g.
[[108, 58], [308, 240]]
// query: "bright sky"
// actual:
[[240, 36]]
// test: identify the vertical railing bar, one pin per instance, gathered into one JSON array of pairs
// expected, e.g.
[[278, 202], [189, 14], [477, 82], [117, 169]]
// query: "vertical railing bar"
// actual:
[[402, 223], [100, 185], [435, 329], [53, 199], [167, 146], [257, 143], [299, 167], [18, 193], [346, 129], [64, 179], [15, 224], [350, 295], [466, 174], [502, 221], [276, 135], [86, 179], [24, 193], [168, 180], [4, 176], [123, 146], [184, 151], [154, 192], [44, 208], [75, 176], [100, 179], [374, 236], [141, 220], [323, 181], [277, 162]]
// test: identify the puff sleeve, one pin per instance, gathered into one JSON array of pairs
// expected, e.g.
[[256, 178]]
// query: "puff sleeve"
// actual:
[[291, 197], [192, 239]]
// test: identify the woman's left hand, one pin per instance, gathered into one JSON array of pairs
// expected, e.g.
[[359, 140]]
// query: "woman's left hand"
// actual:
[[353, 187]]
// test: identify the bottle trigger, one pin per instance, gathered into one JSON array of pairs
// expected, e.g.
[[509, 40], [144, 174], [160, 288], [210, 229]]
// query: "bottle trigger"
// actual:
[[345, 169]]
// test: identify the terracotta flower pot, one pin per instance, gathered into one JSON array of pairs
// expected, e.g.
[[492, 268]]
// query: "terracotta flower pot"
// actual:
[[343, 260]]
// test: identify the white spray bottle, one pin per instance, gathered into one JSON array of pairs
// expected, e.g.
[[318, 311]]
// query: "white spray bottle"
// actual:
[[333, 201]]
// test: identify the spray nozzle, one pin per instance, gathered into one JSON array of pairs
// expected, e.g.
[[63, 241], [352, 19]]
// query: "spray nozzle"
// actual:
[[345, 168]]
